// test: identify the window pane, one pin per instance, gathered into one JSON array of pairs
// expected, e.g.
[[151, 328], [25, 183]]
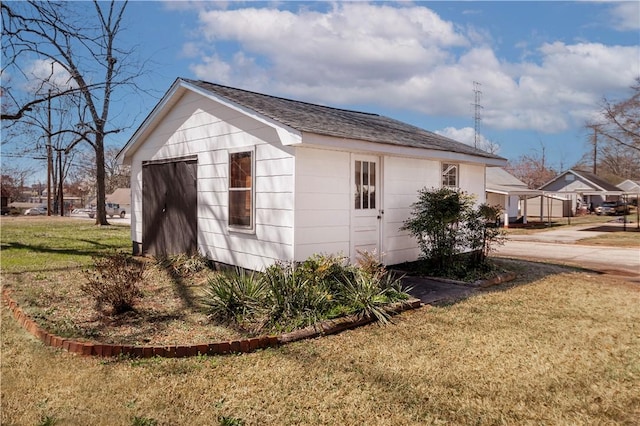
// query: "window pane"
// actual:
[[449, 175], [240, 173], [240, 189], [240, 208], [358, 182], [372, 187]]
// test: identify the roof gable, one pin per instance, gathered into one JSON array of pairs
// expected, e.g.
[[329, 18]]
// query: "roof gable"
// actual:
[[596, 183], [500, 181], [629, 185]]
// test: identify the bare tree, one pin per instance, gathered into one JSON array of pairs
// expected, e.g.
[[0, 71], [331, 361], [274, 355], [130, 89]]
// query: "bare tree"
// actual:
[[116, 175], [614, 139], [87, 54], [621, 120], [532, 169]]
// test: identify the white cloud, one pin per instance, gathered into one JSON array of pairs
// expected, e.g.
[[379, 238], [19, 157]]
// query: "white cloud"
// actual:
[[43, 74], [407, 57], [467, 135], [626, 16]]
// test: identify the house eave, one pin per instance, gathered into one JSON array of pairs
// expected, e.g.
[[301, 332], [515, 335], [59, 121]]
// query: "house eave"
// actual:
[[355, 145]]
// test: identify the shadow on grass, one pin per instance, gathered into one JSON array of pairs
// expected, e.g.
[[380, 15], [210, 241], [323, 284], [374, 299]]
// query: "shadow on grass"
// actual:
[[610, 228], [443, 292], [180, 287], [98, 249]]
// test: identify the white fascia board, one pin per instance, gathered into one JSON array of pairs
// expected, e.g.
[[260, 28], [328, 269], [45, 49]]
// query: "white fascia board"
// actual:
[[518, 191], [287, 135], [356, 145]]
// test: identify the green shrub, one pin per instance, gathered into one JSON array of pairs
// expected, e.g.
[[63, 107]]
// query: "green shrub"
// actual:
[[288, 295], [114, 281], [366, 293], [324, 270], [234, 295], [446, 224], [293, 298]]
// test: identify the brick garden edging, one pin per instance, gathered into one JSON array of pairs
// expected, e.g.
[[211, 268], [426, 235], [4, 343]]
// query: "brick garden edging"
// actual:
[[182, 351]]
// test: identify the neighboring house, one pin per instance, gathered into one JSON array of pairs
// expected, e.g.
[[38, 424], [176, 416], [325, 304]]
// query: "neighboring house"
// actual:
[[248, 179], [585, 190], [511, 194], [632, 190]]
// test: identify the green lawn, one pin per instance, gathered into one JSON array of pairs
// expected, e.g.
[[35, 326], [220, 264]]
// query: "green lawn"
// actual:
[[554, 347], [37, 243]]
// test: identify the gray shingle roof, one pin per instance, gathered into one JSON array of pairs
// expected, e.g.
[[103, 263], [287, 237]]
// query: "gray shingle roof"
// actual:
[[323, 120], [596, 180]]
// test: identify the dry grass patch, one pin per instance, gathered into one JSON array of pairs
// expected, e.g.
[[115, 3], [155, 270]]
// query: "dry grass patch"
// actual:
[[168, 313], [628, 238], [558, 347]]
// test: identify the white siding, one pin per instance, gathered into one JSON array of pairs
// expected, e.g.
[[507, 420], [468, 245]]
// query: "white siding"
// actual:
[[472, 181], [322, 202], [196, 125], [403, 178]]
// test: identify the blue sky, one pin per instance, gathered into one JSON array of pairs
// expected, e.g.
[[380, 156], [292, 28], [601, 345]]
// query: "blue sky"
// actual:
[[543, 67]]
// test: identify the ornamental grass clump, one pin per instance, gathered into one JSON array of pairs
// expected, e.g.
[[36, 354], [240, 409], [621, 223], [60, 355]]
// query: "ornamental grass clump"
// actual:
[[235, 295], [114, 281], [294, 298], [289, 295], [370, 289]]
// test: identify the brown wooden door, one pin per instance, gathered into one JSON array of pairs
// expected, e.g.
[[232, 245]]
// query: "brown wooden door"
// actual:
[[169, 207]]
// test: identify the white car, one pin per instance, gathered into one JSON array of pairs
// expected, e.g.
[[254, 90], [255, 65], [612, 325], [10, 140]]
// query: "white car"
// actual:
[[36, 211], [113, 209]]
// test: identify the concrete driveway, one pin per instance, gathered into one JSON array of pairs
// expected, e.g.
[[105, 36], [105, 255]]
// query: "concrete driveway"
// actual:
[[562, 246]]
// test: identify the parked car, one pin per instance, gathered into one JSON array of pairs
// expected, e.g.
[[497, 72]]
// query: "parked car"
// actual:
[[36, 211], [613, 208], [113, 209]]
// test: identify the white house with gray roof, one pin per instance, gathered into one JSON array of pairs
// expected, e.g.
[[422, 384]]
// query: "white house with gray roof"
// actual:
[[248, 179]]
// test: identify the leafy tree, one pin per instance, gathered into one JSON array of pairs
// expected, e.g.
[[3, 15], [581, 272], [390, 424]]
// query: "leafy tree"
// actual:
[[446, 223], [481, 232], [435, 221]]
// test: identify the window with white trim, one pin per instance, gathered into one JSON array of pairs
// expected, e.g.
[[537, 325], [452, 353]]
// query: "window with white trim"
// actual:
[[450, 175], [241, 189]]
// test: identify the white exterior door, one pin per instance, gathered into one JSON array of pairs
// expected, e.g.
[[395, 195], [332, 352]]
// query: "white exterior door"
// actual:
[[366, 206]]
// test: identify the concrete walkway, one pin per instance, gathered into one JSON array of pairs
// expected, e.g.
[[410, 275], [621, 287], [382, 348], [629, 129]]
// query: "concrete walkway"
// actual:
[[433, 292], [562, 246]]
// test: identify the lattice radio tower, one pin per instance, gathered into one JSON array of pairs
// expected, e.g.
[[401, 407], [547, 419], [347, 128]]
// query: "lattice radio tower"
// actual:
[[477, 107]]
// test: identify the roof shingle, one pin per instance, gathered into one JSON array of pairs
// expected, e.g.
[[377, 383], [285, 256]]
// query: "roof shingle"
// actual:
[[342, 123]]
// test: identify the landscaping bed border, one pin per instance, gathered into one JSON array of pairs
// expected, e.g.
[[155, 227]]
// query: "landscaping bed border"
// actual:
[[182, 351]]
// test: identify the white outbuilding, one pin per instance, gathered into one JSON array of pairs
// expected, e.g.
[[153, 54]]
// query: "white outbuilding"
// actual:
[[247, 179]]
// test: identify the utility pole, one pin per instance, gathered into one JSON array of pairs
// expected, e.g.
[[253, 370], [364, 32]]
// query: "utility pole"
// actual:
[[60, 195], [595, 149], [49, 156], [476, 116]]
